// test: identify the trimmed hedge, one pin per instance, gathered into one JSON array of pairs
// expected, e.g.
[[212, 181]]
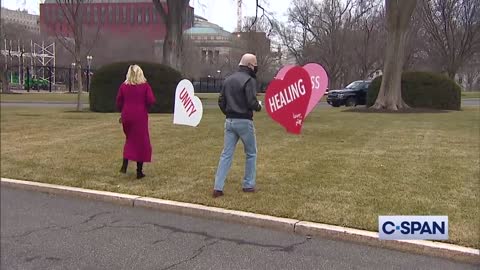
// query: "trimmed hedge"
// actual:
[[423, 90], [107, 80]]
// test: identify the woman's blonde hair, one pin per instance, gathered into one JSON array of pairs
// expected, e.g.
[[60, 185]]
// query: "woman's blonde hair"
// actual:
[[135, 75]]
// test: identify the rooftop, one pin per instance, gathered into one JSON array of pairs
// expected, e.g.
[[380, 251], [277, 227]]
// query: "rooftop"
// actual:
[[204, 27]]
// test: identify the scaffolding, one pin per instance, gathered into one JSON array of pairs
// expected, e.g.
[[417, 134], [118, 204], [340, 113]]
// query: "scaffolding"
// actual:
[[40, 57]]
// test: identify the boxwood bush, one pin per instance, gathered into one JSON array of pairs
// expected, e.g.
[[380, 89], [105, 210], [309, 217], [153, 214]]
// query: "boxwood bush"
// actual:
[[423, 90], [107, 80]]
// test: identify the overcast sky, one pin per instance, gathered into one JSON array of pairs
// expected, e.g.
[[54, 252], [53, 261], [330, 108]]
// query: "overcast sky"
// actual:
[[221, 12]]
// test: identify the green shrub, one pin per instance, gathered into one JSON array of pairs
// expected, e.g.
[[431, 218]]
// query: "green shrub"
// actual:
[[423, 90], [107, 80]]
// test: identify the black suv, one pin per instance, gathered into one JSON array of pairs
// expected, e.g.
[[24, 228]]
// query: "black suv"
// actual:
[[352, 95]]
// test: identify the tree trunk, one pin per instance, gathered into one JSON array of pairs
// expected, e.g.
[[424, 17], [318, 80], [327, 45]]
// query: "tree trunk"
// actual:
[[78, 73], [172, 47], [451, 72], [80, 86], [173, 17], [398, 19], [5, 83]]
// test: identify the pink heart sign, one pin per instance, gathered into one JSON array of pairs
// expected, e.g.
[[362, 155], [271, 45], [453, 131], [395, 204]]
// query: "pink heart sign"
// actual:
[[319, 80], [287, 100]]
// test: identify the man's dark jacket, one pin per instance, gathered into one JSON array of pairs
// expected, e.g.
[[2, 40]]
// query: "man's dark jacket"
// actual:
[[238, 97]]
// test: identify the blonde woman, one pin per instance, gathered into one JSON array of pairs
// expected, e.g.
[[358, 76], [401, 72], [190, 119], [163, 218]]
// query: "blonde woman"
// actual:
[[134, 98]]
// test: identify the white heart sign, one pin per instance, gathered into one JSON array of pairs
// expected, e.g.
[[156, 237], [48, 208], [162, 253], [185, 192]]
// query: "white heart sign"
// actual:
[[188, 107]]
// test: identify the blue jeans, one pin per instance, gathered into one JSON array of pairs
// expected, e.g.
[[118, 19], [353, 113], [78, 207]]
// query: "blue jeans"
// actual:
[[238, 129]]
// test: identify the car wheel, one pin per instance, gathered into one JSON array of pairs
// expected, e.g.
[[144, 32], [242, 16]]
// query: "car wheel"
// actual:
[[335, 105], [351, 102]]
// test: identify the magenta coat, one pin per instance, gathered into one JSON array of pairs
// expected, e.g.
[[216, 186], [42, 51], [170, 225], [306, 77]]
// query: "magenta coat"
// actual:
[[133, 101]]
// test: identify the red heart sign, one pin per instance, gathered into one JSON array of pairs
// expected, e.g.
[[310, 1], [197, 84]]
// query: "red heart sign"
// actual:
[[287, 100]]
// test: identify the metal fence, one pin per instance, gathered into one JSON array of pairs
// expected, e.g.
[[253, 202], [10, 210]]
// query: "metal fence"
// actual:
[[65, 79], [214, 85], [47, 78]]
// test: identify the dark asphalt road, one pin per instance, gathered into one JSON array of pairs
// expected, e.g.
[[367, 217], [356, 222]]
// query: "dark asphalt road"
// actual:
[[40, 231]]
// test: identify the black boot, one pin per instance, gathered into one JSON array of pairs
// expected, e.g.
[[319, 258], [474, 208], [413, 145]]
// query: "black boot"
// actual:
[[124, 166], [140, 170]]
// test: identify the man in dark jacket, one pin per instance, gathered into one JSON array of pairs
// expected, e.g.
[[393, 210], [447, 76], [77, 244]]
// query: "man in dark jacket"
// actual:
[[238, 100]]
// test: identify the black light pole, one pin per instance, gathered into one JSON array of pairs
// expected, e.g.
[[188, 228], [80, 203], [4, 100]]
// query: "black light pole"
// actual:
[[89, 63]]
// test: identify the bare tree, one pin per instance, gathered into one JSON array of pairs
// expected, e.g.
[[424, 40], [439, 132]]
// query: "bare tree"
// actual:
[[325, 33], [74, 38], [470, 73], [366, 42], [174, 18], [255, 38], [452, 28], [295, 39], [398, 16], [191, 59], [294, 35]]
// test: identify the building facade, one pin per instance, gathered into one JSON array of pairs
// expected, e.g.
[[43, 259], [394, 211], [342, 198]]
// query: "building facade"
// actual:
[[214, 52], [121, 17], [211, 41], [21, 17]]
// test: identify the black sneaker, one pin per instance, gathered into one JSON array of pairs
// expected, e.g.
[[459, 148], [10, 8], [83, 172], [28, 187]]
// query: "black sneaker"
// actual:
[[217, 193]]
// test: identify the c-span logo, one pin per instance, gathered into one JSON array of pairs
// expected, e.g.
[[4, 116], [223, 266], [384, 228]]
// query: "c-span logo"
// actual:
[[413, 227]]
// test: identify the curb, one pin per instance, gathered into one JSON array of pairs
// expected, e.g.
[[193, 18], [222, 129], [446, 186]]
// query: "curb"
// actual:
[[118, 198], [422, 247], [437, 249], [246, 218]]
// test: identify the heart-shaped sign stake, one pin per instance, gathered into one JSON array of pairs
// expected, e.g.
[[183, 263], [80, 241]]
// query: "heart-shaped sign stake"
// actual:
[[188, 107], [319, 79], [287, 100]]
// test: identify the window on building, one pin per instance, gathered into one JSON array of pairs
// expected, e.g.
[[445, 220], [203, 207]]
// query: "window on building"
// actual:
[[104, 11], [81, 14], [147, 15], [59, 15], [217, 57], [139, 15], [155, 16], [210, 57], [124, 15], [87, 19], [110, 14], [95, 15], [132, 15], [204, 56], [117, 14], [48, 14]]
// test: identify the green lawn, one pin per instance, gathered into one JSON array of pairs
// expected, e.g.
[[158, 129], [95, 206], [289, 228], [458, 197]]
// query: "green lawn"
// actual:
[[207, 96], [214, 96], [475, 94], [345, 169], [43, 97], [66, 97]]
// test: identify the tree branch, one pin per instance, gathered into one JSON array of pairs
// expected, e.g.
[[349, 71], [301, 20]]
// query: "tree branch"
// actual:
[[159, 7]]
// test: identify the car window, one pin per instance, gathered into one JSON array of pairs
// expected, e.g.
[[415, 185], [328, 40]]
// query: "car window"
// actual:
[[354, 85]]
